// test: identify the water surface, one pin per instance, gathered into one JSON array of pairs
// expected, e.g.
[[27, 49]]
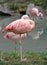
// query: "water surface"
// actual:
[[29, 44]]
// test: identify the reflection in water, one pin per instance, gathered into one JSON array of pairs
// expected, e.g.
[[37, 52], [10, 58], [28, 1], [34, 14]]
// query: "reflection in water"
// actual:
[[29, 44], [36, 35]]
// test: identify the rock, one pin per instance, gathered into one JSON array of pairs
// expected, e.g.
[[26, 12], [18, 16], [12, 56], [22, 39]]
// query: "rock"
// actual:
[[5, 9]]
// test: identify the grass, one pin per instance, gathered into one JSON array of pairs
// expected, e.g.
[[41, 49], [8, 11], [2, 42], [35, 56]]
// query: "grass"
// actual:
[[13, 58]]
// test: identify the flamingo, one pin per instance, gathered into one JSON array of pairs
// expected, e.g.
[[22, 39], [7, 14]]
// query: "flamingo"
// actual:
[[20, 26], [35, 12]]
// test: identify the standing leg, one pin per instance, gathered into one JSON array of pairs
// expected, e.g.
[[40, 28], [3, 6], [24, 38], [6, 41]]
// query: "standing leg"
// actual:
[[15, 46], [20, 48]]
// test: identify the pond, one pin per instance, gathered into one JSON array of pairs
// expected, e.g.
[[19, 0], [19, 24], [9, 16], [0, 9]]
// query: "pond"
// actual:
[[29, 44]]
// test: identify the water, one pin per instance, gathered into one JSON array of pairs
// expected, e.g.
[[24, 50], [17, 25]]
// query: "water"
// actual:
[[29, 44]]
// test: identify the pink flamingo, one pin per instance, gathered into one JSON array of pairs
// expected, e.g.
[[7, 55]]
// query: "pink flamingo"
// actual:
[[20, 26], [35, 12]]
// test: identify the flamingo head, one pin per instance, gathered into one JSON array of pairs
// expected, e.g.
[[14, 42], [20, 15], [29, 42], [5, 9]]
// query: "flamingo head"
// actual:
[[25, 17]]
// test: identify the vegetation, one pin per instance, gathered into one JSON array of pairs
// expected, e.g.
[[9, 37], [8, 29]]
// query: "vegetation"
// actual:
[[18, 6], [33, 58], [22, 6], [41, 3]]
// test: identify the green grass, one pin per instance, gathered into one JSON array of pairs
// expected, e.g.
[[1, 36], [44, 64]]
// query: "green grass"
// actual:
[[13, 58]]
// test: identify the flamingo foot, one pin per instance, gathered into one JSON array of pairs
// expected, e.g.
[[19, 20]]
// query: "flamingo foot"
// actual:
[[24, 59]]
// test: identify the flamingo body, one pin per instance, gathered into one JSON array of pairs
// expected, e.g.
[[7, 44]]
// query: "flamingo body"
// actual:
[[20, 26]]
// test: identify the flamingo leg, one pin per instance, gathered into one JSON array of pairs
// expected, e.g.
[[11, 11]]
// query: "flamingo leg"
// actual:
[[15, 46], [20, 48]]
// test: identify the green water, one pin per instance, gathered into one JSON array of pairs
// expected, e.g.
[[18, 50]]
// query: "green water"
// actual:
[[29, 44]]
